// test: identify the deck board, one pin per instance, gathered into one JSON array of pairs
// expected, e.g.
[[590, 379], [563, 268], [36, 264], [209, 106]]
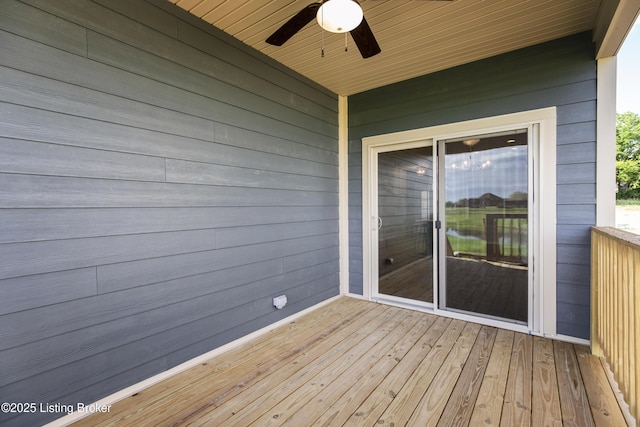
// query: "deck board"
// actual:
[[360, 388], [597, 387], [256, 400], [573, 397], [516, 410], [430, 408], [338, 373], [546, 400], [390, 347], [410, 370], [460, 406], [359, 363], [404, 401], [488, 406]]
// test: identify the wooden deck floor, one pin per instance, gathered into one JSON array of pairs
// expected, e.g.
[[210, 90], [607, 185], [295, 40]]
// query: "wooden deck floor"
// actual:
[[353, 362]]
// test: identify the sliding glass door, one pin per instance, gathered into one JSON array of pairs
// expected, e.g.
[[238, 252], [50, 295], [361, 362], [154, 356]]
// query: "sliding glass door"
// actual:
[[471, 251], [405, 215], [459, 219], [485, 238]]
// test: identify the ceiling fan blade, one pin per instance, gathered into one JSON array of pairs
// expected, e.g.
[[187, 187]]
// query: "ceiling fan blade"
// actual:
[[294, 25], [365, 40]]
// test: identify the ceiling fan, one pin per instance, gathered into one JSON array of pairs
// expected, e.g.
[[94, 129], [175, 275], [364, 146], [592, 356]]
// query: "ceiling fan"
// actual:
[[325, 11], [337, 16]]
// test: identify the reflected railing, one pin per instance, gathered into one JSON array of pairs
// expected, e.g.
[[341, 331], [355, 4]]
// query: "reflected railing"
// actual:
[[504, 239], [507, 236]]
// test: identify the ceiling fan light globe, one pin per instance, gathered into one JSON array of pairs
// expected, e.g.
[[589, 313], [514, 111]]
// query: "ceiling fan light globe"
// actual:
[[339, 16]]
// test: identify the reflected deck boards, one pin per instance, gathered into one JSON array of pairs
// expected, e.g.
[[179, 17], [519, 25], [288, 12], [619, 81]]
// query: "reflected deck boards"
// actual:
[[494, 290], [353, 362]]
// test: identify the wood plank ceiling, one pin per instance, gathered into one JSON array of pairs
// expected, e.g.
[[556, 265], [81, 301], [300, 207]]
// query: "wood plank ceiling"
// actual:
[[417, 37]]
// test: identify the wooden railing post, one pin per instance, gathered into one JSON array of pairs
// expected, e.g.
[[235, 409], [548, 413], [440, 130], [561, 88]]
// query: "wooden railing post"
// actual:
[[596, 347]]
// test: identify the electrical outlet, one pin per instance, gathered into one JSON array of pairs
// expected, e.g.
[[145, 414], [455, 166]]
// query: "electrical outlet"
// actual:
[[280, 302]]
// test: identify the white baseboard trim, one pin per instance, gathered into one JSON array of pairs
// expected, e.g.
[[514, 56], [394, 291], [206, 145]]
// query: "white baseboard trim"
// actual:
[[138, 387], [570, 339], [356, 296]]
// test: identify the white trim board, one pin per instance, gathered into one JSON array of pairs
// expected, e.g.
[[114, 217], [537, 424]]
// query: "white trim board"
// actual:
[[606, 143], [343, 191], [544, 123]]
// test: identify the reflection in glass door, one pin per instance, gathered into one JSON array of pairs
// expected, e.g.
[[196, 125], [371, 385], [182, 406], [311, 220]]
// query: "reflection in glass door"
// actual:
[[485, 194], [405, 223]]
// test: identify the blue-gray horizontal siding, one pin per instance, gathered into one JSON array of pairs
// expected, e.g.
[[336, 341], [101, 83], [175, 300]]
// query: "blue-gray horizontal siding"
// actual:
[[160, 182], [559, 73]]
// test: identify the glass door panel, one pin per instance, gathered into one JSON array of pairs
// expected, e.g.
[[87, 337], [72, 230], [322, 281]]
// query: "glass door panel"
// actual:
[[405, 223], [486, 217]]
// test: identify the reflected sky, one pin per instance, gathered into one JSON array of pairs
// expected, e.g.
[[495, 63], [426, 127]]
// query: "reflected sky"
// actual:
[[500, 171]]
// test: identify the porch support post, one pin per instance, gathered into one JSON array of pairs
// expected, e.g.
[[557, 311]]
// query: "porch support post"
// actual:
[[606, 143], [343, 192]]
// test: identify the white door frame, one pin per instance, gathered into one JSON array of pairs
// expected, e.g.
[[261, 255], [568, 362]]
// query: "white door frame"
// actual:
[[542, 126]]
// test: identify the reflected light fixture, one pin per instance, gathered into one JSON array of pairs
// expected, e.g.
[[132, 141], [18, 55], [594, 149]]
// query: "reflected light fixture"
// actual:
[[471, 164], [339, 16], [470, 142]]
